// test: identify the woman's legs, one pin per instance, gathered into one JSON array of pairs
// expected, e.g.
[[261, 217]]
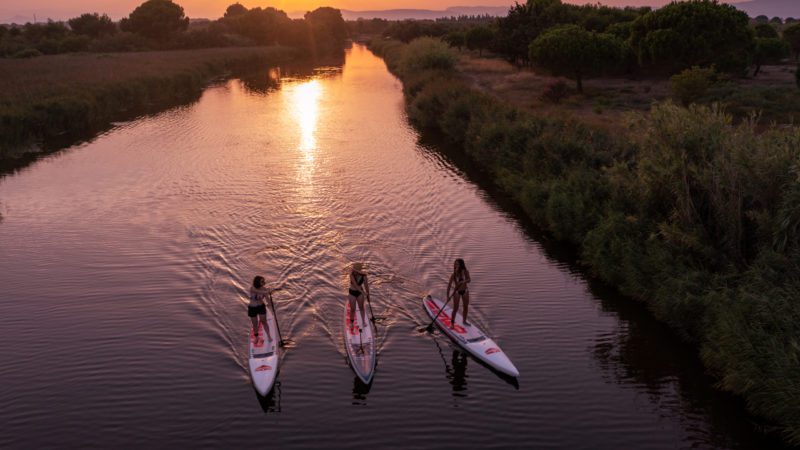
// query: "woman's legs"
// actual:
[[466, 307], [456, 300], [361, 307], [352, 301], [254, 319]]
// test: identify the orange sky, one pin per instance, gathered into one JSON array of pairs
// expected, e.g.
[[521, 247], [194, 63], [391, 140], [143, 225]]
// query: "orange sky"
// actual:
[[60, 9]]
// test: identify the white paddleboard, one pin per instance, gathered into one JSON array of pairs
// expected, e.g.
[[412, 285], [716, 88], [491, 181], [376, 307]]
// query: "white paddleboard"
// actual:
[[264, 356], [469, 337], [360, 347]]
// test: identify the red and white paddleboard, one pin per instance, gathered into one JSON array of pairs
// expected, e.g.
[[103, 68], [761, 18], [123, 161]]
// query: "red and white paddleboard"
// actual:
[[360, 347], [469, 337], [264, 356]]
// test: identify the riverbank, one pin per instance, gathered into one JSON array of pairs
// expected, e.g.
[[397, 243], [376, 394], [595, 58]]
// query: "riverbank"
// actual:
[[680, 208], [47, 101]]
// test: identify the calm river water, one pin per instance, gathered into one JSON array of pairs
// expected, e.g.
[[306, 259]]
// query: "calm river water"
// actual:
[[124, 264]]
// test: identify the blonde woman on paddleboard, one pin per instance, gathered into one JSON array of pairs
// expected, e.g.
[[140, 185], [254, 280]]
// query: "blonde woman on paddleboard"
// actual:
[[257, 308], [359, 288], [459, 280]]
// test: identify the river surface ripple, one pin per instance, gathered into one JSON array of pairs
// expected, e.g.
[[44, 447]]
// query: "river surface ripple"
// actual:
[[124, 264]]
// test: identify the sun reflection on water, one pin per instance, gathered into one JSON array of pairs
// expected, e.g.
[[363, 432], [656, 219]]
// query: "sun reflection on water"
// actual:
[[304, 98]]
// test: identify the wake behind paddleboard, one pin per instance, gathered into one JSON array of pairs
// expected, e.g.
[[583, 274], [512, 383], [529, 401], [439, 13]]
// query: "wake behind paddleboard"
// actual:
[[264, 356], [360, 347], [469, 337]]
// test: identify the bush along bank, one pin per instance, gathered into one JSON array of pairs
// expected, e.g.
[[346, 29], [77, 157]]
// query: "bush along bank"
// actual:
[[75, 108], [696, 216]]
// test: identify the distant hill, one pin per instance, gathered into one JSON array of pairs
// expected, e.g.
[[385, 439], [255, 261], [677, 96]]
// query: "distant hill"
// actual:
[[771, 8]]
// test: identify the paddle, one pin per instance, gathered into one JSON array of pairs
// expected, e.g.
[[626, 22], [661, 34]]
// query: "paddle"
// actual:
[[272, 305], [429, 328]]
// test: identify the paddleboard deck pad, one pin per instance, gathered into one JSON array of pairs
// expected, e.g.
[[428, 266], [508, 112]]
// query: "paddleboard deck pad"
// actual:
[[264, 356], [360, 347], [469, 337]]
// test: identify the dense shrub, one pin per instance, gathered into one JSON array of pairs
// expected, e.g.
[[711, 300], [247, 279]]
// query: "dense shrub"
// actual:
[[427, 54], [27, 53], [92, 25], [692, 84]]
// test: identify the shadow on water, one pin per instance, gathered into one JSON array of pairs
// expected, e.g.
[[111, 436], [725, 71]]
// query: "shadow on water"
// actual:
[[642, 351], [270, 403], [360, 391], [456, 369]]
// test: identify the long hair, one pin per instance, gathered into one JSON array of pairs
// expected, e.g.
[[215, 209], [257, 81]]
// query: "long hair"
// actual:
[[462, 267]]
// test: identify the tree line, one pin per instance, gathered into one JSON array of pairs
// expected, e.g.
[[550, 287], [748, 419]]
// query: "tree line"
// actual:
[[584, 41], [163, 24]]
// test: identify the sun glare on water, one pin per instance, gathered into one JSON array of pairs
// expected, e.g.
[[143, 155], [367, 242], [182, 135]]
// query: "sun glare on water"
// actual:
[[304, 98]]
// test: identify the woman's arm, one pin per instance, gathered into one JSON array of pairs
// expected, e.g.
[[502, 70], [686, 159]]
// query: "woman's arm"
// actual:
[[366, 285], [468, 279]]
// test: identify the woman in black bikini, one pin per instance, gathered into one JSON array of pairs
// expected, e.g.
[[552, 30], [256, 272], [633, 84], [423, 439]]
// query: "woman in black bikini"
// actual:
[[257, 309], [459, 280], [359, 286]]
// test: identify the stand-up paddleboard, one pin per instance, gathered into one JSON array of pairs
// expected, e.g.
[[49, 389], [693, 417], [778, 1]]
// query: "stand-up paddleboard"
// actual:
[[264, 356], [469, 337], [360, 347]]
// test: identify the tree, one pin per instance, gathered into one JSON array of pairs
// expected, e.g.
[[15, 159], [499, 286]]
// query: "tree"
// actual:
[[156, 19], [792, 37], [263, 26], [524, 23], [479, 38], [572, 51], [236, 9], [92, 25], [328, 29], [769, 51], [766, 31], [761, 19], [456, 39], [694, 33]]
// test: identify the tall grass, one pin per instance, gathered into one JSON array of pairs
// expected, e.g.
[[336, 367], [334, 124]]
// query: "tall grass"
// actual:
[[71, 95], [693, 214]]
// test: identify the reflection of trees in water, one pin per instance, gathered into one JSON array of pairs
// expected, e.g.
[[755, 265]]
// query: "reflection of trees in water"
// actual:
[[271, 403], [264, 81], [644, 353]]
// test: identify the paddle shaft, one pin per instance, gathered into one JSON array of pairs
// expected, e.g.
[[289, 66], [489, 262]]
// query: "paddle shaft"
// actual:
[[369, 303], [430, 325], [274, 314]]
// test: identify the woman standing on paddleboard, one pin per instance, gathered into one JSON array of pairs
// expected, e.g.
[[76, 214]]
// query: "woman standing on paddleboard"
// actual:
[[359, 286], [257, 309], [459, 280]]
